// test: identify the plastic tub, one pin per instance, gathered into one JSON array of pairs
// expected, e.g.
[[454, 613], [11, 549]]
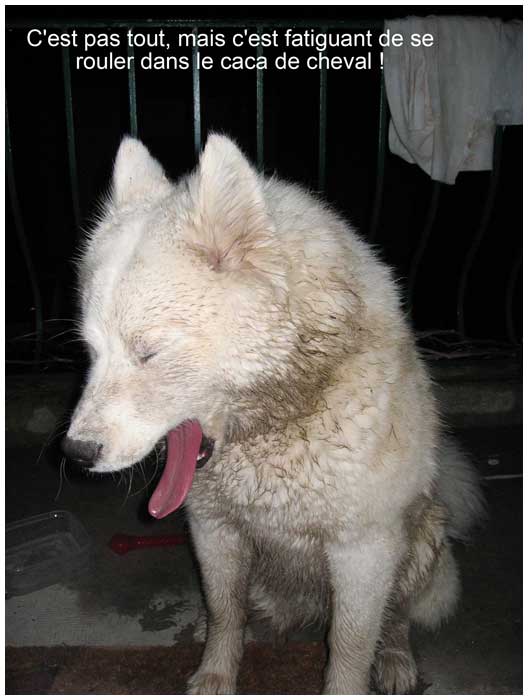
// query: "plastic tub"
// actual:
[[43, 550]]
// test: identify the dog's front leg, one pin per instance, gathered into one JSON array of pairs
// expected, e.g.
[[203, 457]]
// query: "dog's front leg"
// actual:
[[362, 574], [224, 563]]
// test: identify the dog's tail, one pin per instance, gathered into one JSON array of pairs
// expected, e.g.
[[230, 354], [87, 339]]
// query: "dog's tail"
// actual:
[[459, 489]]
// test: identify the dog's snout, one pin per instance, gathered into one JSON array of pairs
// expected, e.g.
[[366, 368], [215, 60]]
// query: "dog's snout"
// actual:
[[85, 452]]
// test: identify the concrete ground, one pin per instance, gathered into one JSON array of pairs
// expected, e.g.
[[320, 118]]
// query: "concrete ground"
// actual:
[[128, 623]]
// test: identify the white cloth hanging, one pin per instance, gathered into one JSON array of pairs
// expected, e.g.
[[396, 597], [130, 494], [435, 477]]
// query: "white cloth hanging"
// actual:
[[446, 100]]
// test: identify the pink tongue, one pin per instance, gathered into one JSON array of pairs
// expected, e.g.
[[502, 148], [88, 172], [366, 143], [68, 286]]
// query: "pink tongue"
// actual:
[[183, 446]]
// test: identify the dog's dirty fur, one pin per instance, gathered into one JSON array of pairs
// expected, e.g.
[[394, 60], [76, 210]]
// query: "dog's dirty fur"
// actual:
[[248, 305]]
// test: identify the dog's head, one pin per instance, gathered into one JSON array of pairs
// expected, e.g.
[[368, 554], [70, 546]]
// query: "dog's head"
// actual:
[[182, 287], [202, 322]]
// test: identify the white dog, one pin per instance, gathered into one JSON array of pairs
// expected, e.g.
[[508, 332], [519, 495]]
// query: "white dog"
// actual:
[[244, 321]]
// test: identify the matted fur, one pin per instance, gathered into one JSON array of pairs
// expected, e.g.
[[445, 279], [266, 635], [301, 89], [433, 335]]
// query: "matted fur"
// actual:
[[247, 304]]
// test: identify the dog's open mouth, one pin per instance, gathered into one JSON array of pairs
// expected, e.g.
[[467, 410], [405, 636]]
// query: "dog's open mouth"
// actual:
[[187, 450]]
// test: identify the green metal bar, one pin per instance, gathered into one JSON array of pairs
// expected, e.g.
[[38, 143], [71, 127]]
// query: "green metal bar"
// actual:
[[20, 231], [510, 291], [197, 112], [481, 230], [358, 24], [424, 239], [260, 110], [70, 132], [382, 156], [132, 99], [323, 84]]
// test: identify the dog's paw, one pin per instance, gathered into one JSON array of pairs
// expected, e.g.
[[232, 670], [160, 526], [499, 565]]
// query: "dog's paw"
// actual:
[[344, 686], [200, 628], [203, 683], [395, 672]]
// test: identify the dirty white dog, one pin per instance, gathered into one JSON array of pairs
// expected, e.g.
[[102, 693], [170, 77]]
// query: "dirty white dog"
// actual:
[[242, 320]]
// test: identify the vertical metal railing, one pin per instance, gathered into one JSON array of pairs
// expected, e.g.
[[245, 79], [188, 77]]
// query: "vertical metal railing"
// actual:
[[510, 291], [197, 106], [70, 136], [260, 108], [382, 157], [322, 169], [323, 102], [481, 230], [423, 241], [22, 240], [132, 97]]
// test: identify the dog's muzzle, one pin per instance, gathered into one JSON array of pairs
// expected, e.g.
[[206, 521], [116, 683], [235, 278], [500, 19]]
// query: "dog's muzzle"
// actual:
[[83, 452]]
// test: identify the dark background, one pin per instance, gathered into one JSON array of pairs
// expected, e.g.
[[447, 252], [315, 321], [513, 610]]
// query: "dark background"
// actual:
[[35, 95]]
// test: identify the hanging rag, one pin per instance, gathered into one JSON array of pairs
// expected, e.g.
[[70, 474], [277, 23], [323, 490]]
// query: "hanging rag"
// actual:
[[445, 100]]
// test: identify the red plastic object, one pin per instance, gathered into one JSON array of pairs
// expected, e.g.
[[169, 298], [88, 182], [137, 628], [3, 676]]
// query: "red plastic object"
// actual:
[[121, 543]]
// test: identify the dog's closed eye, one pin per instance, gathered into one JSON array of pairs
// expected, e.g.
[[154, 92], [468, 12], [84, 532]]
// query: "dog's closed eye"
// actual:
[[144, 350], [145, 357]]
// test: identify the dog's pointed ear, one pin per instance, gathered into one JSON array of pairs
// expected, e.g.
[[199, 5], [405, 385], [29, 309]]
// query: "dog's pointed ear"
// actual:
[[232, 228], [137, 175]]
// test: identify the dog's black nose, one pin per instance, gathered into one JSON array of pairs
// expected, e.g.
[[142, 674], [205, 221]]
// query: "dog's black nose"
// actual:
[[85, 452]]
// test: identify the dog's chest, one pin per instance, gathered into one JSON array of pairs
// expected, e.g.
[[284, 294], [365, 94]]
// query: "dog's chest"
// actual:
[[299, 488]]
